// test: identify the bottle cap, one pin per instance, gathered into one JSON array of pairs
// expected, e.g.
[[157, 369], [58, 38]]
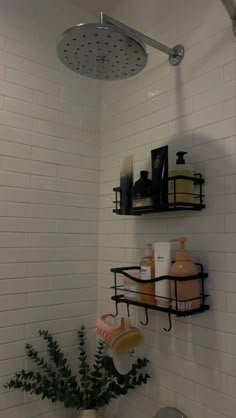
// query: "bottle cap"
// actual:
[[148, 251], [180, 155], [182, 254], [144, 174]]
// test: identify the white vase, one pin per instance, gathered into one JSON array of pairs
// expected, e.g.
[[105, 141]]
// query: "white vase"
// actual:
[[88, 413]]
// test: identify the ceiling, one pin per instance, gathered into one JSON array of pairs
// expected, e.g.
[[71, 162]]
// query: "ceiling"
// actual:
[[96, 6]]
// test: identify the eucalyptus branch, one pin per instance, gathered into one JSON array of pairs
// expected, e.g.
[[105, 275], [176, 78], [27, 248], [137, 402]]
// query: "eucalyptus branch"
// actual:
[[97, 371], [39, 361], [55, 353], [84, 369], [34, 383]]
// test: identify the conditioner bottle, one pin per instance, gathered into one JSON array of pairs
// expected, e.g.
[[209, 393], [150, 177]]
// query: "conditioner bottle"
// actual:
[[185, 294]]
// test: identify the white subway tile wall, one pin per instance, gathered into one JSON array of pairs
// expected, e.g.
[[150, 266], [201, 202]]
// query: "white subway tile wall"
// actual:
[[49, 184], [192, 108], [50, 195]]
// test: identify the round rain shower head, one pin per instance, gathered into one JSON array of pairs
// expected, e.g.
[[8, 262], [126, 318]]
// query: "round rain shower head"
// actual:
[[99, 51]]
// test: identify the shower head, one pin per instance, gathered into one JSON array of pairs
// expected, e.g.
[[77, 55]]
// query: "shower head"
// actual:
[[231, 9], [109, 50], [99, 51]]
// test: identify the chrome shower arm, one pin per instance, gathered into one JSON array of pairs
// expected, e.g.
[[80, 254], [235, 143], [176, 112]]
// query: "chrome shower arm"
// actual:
[[138, 35], [176, 54], [231, 9]]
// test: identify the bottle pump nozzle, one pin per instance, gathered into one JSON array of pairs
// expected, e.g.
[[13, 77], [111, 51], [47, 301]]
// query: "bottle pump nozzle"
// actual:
[[180, 155], [182, 254], [181, 240]]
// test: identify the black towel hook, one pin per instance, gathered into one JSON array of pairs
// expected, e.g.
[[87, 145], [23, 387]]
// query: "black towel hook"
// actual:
[[117, 312], [147, 319], [170, 323]]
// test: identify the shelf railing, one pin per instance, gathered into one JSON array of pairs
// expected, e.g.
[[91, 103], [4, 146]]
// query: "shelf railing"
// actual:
[[173, 303], [174, 198]]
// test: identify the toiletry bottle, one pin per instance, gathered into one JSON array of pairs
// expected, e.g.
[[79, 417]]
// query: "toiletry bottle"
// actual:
[[147, 291], [181, 190], [185, 290], [160, 177], [131, 288], [142, 191], [162, 256], [126, 185]]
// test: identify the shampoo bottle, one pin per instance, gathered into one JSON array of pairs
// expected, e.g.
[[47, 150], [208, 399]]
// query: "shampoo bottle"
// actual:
[[147, 290], [187, 292], [181, 190], [162, 257]]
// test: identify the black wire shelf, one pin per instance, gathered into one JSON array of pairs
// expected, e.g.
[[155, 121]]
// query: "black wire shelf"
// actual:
[[121, 292], [174, 204]]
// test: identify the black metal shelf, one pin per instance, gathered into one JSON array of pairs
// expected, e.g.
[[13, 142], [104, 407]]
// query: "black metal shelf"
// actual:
[[119, 297], [173, 206]]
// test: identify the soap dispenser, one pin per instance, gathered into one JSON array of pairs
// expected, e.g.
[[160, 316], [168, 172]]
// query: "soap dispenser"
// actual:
[[181, 190], [187, 292]]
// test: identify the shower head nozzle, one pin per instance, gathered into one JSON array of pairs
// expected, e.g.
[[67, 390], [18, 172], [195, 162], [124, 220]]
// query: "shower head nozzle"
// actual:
[[109, 50]]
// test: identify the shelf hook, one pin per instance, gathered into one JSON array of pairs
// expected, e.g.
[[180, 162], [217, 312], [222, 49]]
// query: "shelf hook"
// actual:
[[170, 323], [128, 312], [117, 312], [147, 319]]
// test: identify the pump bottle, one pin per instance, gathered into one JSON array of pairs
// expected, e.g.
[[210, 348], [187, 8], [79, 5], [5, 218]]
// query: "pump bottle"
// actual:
[[181, 190], [187, 292]]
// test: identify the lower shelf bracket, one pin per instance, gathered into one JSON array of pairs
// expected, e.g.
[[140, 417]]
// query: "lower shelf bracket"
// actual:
[[144, 324], [170, 323], [128, 311], [120, 295], [117, 311]]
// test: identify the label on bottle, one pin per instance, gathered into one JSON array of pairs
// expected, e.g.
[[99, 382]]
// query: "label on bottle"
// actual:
[[146, 273], [185, 306], [160, 258]]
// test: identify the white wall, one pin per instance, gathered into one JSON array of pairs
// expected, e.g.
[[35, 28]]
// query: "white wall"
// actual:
[[48, 191], [190, 108]]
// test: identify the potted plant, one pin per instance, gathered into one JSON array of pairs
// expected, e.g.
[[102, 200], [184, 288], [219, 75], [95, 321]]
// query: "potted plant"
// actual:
[[93, 387]]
